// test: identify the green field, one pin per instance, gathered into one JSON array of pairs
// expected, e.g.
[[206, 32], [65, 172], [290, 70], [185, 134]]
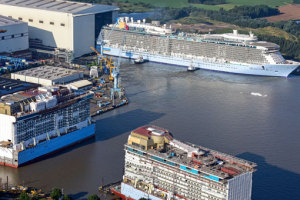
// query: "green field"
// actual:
[[271, 3], [230, 3]]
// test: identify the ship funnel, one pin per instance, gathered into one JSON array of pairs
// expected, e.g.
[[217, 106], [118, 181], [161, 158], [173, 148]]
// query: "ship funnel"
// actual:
[[139, 21], [131, 19], [144, 21], [126, 19], [251, 34], [235, 32]]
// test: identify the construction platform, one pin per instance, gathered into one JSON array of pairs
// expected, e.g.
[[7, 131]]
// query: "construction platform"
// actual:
[[103, 100]]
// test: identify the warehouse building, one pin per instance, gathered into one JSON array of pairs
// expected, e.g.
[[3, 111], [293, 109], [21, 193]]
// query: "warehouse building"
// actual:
[[61, 24], [13, 35], [80, 85], [48, 75]]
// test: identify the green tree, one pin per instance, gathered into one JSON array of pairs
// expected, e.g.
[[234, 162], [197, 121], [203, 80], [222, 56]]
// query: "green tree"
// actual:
[[66, 197], [93, 197], [143, 198], [24, 196], [35, 197], [56, 193]]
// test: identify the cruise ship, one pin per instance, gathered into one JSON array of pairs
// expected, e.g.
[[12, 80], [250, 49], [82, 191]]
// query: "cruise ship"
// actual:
[[40, 121], [229, 52], [157, 166]]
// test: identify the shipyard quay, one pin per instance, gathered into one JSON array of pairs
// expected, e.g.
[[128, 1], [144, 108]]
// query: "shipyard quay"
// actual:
[[39, 121], [157, 166]]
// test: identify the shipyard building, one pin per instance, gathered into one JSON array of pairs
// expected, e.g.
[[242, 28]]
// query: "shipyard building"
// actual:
[[48, 75], [13, 35], [60, 24], [80, 85], [157, 166]]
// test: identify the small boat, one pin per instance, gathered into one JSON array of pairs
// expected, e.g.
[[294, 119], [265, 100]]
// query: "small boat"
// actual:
[[139, 60], [191, 68]]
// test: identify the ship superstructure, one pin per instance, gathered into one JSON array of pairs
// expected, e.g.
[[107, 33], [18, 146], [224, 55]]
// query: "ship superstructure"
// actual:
[[157, 166], [40, 121], [229, 52]]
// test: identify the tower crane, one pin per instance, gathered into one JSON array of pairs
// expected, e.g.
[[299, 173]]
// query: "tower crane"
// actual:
[[108, 62]]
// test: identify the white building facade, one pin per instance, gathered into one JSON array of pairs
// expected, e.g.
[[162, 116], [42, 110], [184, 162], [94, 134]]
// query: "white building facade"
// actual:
[[72, 26], [13, 35]]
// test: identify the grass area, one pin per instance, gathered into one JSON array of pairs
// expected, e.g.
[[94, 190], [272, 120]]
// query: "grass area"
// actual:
[[162, 3], [273, 31], [271, 3], [206, 7], [230, 3], [213, 7], [197, 20], [129, 8], [191, 20]]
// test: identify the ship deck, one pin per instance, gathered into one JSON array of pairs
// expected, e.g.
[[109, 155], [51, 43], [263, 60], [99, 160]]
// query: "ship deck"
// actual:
[[211, 162]]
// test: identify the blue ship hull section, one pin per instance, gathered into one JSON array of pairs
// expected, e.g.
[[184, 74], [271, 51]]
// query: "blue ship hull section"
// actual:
[[55, 144], [283, 70]]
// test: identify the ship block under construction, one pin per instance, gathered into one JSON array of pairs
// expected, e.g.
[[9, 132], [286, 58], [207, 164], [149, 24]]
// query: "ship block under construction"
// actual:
[[157, 166], [41, 121]]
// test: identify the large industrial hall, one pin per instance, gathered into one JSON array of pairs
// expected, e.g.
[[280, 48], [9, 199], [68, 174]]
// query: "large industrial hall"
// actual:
[[13, 35], [59, 24]]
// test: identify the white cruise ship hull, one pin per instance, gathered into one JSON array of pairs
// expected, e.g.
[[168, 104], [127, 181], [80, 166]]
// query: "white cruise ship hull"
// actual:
[[279, 70]]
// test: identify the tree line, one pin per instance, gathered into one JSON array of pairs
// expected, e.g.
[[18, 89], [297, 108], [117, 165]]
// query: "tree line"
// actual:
[[255, 11], [208, 2], [55, 194]]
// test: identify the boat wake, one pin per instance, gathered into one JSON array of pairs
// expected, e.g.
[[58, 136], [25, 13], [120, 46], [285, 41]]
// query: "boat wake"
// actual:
[[258, 94]]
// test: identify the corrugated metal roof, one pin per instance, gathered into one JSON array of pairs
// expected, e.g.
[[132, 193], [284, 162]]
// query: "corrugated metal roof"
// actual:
[[81, 83], [75, 8], [97, 8], [48, 72]]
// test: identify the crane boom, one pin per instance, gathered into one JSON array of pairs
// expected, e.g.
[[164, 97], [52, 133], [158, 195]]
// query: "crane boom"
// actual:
[[108, 61]]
